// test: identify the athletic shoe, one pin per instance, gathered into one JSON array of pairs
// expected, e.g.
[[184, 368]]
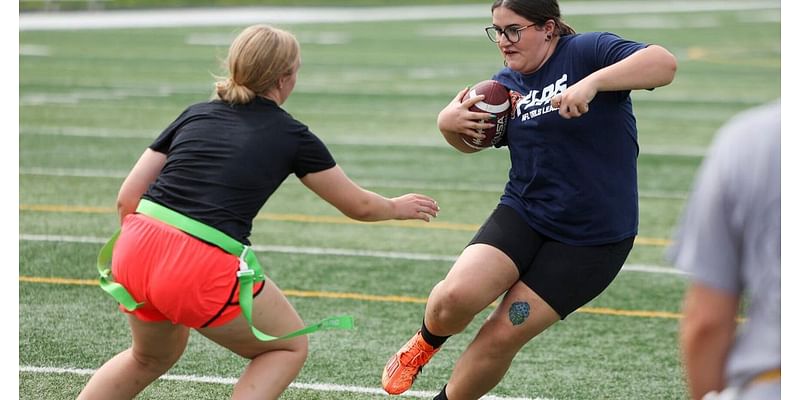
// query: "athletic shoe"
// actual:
[[405, 365]]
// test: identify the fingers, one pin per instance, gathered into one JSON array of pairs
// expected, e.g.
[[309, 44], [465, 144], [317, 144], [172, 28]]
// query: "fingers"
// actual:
[[460, 95], [472, 101], [480, 116], [555, 102], [568, 109], [475, 129], [420, 207]]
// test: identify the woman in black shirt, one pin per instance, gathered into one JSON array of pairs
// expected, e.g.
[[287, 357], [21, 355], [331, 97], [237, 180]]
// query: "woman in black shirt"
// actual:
[[216, 165]]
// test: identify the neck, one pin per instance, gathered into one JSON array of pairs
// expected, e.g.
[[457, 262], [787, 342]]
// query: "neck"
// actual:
[[273, 95], [551, 47]]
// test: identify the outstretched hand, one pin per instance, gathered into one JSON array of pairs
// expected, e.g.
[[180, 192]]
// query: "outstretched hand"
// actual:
[[415, 206]]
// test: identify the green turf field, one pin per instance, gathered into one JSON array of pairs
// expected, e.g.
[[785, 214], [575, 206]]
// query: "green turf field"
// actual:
[[92, 100]]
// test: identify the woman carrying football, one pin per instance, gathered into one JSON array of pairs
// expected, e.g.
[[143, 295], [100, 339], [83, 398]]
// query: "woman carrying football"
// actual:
[[569, 214], [215, 166]]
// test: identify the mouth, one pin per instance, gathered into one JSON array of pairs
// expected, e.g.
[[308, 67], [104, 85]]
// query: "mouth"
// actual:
[[508, 53]]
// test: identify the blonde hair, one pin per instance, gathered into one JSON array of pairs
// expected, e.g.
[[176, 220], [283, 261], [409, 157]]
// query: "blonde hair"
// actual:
[[256, 60]]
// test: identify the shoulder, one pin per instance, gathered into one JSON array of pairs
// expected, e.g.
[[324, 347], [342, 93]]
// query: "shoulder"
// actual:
[[201, 109], [505, 74], [581, 39], [207, 106], [508, 77], [601, 48], [593, 40], [750, 130]]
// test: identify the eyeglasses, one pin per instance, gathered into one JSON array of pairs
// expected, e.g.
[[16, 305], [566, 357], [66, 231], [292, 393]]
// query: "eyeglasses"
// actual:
[[512, 33]]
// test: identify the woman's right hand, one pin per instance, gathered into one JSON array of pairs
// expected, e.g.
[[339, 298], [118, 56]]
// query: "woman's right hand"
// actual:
[[456, 120]]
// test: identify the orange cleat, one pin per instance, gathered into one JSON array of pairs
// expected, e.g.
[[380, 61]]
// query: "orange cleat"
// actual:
[[403, 367]]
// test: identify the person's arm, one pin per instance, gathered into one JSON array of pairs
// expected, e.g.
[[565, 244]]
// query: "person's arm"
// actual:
[[707, 333], [363, 205], [647, 68], [138, 180], [456, 120]]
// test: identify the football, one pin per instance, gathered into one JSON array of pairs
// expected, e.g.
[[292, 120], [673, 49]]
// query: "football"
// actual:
[[497, 101]]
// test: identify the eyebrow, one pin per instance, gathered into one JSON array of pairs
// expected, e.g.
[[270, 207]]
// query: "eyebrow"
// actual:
[[508, 26]]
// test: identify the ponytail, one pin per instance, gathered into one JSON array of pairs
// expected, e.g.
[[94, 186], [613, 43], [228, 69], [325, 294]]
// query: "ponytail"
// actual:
[[230, 92], [256, 61]]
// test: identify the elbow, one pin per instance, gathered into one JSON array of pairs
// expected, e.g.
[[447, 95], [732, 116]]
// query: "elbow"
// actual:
[[125, 207], [697, 332], [668, 66]]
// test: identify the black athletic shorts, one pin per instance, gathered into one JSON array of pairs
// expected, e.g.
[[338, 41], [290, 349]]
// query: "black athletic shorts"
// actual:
[[565, 276]]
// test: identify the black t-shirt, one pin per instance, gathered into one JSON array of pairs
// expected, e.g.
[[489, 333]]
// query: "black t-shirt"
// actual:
[[224, 161]]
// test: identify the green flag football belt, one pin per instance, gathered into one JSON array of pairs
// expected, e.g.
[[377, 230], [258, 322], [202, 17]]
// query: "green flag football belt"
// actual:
[[250, 270]]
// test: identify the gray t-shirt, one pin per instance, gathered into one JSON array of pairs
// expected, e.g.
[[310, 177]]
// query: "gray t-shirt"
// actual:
[[730, 235]]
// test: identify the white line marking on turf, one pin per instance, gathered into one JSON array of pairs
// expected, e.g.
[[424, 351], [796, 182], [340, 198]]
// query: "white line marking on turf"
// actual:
[[490, 187], [319, 387], [115, 133], [34, 50], [297, 15], [333, 252]]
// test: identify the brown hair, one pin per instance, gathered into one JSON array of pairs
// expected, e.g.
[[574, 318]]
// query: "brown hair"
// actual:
[[256, 60], [538, 12]]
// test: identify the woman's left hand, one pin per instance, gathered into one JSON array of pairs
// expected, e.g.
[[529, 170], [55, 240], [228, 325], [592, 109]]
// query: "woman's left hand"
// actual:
[[415, 206], [574, 101]]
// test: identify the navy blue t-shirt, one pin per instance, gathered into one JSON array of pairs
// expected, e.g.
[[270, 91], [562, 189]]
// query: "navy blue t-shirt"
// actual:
[[224, 161], [573, 179]]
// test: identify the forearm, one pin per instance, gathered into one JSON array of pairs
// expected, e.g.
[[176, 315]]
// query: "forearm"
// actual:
[[704, 353], [708, 330], [370, 207], [138, 180], [648, 68], [363, 205]]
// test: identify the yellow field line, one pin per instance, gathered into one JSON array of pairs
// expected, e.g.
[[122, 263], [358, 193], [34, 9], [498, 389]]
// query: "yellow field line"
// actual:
[[58, 281], [643, 241], [370, 297]]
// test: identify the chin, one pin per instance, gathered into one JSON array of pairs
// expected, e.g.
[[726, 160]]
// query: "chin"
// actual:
[[516, 66]]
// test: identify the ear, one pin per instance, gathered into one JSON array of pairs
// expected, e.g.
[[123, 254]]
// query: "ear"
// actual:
[[550, 27], [282, 80]]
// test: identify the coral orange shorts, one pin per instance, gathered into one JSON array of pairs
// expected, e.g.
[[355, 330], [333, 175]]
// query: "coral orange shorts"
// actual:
[[178, 277]]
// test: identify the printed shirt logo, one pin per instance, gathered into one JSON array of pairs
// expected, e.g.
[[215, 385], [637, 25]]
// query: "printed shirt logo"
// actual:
[[533, 104]]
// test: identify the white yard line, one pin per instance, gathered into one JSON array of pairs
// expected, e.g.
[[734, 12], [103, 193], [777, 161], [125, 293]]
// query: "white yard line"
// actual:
[[318, 387], [76, 131], [490, 187], [332, 252], [233, 16]]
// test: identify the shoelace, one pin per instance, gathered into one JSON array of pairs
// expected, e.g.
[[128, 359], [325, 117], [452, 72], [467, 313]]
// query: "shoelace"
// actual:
[[420, 355]]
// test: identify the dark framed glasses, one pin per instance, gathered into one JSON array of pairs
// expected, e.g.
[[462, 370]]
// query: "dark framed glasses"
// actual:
[[513, 33]]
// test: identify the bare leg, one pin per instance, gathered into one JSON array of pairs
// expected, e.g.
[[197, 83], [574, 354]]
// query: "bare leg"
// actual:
[[480, 275], [486, 360], [273, 364], [155, 349]]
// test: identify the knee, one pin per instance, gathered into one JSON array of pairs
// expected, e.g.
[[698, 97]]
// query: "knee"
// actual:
[[300, 349], [293, 351], [505, 339], [156, 363], [450, 305]]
